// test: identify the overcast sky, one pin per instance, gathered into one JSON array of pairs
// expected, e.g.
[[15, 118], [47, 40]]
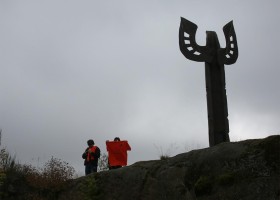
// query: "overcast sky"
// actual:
[[78, 70]]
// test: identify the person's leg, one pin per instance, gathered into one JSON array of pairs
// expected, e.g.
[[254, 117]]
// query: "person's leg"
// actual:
[[87, 169], [115, 167], [93, 168]]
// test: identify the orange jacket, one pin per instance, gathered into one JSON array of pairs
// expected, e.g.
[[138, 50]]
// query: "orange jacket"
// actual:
[[89, 155], [117, 152]]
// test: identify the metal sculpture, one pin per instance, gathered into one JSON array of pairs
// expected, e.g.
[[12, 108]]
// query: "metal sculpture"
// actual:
[[214, 58]]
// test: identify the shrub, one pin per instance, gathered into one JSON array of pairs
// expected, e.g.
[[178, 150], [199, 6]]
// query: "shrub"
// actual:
[[203, 186], [164, 157], [226, 179], [89, 188], [56, 172], [6, 160], [11, 179], [27, 182], [50, 180]]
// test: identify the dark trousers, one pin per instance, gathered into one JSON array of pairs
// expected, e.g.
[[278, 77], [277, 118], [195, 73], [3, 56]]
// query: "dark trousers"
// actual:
[[90, 168], [114, 167]]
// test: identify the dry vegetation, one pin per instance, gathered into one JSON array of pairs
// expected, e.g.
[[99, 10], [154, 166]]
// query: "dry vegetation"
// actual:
[[19, 181]]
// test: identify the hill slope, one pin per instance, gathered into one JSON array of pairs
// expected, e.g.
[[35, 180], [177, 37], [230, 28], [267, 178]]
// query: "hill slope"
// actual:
[[247, 170]]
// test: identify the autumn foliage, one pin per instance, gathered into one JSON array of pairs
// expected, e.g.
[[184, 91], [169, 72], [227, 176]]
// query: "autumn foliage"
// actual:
[[28, 182]]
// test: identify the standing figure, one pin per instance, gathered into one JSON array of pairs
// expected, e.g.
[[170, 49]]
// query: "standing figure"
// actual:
[[117, 153], [91, 155]]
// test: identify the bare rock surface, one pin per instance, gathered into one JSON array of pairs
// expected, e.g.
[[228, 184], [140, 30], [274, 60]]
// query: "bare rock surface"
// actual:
[[245, 170]]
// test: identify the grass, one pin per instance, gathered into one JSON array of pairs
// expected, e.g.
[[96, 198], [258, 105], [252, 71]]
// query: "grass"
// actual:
[[165, 154]]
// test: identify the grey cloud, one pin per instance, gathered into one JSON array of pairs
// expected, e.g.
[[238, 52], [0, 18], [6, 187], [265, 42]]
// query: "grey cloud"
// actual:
[[78, 70]]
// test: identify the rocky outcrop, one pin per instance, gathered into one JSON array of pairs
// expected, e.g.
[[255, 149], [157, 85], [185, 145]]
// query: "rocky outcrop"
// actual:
[[247, 170]]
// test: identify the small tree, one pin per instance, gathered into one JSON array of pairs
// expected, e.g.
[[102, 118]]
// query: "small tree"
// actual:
[[56, 172], [103, 163]]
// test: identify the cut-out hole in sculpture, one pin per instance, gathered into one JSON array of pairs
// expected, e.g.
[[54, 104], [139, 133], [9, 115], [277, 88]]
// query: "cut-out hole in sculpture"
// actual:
[[186, 34], [196, 53], [187, 42], [232, 45], [190, 48], [231, 38], [228, 56], [231, 52]]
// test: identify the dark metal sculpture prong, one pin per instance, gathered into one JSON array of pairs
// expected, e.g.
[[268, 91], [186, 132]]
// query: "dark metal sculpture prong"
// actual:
[[214, 58]]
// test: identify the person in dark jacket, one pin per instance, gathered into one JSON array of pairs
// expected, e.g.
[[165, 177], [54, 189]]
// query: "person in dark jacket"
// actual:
[[91, 156]]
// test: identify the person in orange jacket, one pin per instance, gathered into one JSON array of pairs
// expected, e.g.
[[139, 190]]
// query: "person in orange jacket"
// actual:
[[91, 155], [117, 153]]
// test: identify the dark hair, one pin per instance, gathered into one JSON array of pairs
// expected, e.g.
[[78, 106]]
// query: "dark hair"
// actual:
[[90, 142], [117, 139]]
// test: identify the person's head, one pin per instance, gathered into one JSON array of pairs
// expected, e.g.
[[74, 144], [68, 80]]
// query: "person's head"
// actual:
[[117, 139], [90, 142]]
